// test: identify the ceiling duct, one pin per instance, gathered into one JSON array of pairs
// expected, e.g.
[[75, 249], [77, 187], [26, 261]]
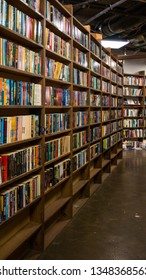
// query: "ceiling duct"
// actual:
[[115, 25]]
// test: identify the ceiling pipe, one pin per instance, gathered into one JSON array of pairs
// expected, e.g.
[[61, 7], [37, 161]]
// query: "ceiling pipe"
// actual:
[[105, 11]]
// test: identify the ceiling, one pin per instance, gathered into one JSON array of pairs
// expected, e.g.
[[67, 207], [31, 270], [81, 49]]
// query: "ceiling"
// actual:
[[115, 19]]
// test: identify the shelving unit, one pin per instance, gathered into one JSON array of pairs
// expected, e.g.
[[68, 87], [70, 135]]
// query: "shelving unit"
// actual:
[[134, 110], [68, 102]]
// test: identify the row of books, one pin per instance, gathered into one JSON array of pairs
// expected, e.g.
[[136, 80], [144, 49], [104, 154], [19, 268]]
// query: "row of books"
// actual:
[[120, 91], [35, 4], [95, 48], [133, 80], [80, 37], [113, 101], [21, 58], [106, 143], [120, 102], [57, 96], [132, 112], [113, 89], [56, 173], [18, 197], [80, 77], [113, 77], [80, 98], [14, 92], [16, 163], [106, 129], [120, 80], [106, 116], [57, 148], [113, 139], [106, 72], [95, 83], [80, 119], [56, 122], [95, 99], [80, 57], [120, 69], [113, 64], [133, 122], [132, 133], [95, 117], [129, 101], [132, 91], [106, 58], [57, 70], [17, 128], [115, 114], [58, 19], [95, 150], [95, 133], [95, 66], [19, 22], [56, 44], [116, 125], [80, 139], [80, 159]]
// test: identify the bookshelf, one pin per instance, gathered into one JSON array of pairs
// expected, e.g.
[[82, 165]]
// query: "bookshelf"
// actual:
[[134, 110], [60, 122]]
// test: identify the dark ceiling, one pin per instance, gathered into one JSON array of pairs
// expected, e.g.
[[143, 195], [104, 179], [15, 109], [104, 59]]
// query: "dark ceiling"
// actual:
[[122, 19]]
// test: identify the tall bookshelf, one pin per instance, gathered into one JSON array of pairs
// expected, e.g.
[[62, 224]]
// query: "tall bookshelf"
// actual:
[[134, 109], [60, 122]]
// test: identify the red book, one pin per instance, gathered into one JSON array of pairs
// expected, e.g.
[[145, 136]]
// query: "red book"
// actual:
[[4, 168]]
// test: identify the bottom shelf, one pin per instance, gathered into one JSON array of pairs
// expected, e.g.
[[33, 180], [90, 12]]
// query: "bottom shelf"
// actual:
[[52, 232], [94, 188], [77, 206], [9, 247]]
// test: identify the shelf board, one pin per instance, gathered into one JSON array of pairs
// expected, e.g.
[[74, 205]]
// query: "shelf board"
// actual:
[[27, 9], [56, 159], [78, 205], [20, 39], [94, 172], [113, 167], [55, 55], [113, 156], [18, 239], [94, 188], [56, 185], [104, 176], [52, 232], [79, 185], [80, 148], [12, 70], [105, 162], [51, 209], [55, 81], [16, 143], [80, 66], [58, 32], [16, 178], [77, 170], [57, 133]]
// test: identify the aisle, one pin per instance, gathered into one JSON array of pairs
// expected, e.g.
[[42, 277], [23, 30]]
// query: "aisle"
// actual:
[[112, 224]]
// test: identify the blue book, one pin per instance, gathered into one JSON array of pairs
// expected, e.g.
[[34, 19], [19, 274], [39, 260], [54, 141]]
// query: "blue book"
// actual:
[[1, 130]]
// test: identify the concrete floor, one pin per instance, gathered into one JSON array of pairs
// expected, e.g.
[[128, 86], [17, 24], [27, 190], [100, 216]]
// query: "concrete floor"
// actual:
[[112, 224]]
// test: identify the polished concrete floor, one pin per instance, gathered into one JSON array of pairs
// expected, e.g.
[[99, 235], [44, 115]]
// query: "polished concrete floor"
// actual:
[[112, 224]]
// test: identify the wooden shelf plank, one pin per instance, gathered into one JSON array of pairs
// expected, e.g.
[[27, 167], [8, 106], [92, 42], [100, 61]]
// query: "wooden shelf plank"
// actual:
[[94, 172], [79, 185], [18, 239], [52, 232], [78, 204], [105, 162], [51, 209], [94, 188]]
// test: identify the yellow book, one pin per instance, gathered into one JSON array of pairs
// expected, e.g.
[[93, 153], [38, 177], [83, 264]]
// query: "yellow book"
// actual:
[[58, 68]]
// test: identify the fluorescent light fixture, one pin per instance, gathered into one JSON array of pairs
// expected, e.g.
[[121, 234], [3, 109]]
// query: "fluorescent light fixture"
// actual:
[[113, 44]]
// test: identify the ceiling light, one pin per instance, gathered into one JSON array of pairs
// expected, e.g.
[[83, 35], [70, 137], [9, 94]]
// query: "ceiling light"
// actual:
[[113, 44]]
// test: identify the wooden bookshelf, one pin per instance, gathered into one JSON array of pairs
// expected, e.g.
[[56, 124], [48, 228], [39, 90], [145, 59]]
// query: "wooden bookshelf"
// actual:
[[74, 123], [134, 110]]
